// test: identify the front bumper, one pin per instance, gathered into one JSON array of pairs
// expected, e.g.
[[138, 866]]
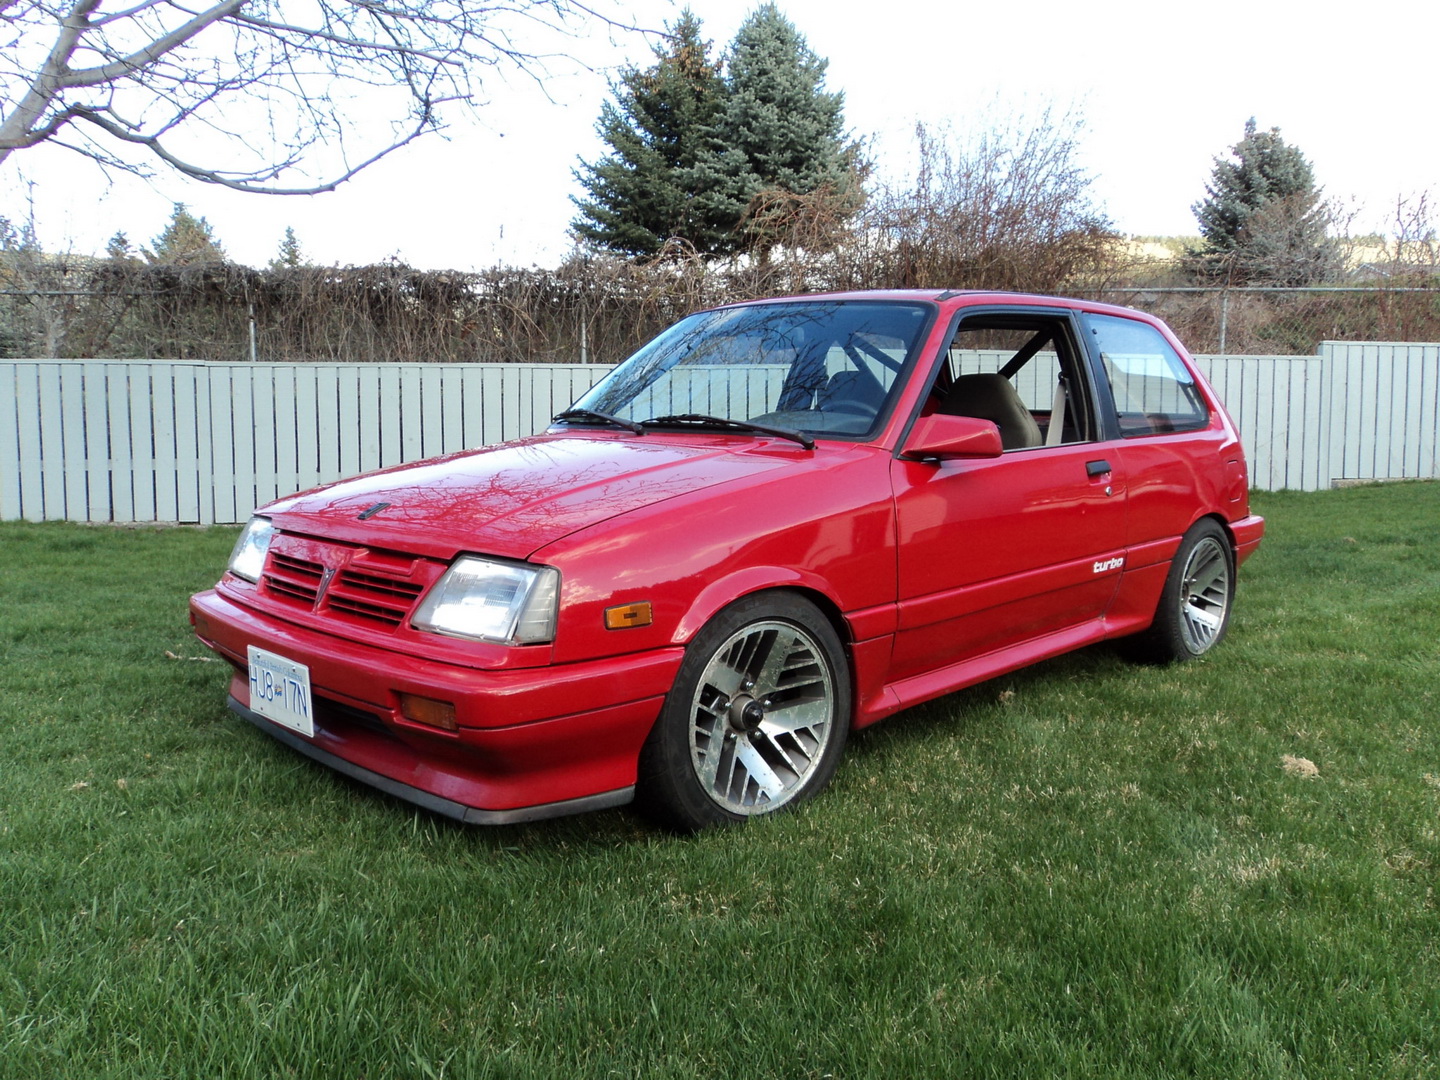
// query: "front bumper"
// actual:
[[533, 742]]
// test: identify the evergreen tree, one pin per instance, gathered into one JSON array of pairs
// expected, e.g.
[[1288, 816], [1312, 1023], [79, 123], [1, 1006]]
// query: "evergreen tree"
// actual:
[[18, 240], [642, 194], [118, 249], [1263, 218], [289, 256], [186, 241], [781, 135]]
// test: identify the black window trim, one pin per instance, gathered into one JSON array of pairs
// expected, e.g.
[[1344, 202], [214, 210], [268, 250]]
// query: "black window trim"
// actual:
[[1094, 392]]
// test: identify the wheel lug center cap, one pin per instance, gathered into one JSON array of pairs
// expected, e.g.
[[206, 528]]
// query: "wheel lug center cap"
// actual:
[[746, 713]]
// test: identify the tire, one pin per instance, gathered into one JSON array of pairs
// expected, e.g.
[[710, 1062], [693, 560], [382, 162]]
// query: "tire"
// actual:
[[1195, 606], [757, 718]]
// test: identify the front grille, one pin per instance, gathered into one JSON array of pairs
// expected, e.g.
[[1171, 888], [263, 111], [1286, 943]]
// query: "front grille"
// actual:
[[373, 596], [354, 584], [403, 592], [294, 579]]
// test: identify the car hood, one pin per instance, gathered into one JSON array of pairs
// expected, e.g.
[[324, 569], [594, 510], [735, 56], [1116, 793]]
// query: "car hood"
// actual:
[[513, 499]]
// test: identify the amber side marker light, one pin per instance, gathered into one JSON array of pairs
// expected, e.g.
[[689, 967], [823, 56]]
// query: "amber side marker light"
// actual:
[[428, 711], [628, 616]]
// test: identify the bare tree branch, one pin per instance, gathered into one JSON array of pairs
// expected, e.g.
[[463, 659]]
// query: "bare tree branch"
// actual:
[[214, 176], [147, 56], [23, 126], [192, 87], [128, 13], [322, 35]]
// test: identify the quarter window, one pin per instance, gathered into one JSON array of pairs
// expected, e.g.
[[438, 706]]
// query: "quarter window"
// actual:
[[1152, 388]]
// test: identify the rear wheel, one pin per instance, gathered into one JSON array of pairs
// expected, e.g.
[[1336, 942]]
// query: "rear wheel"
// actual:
[[757, 718], [1194, 610]]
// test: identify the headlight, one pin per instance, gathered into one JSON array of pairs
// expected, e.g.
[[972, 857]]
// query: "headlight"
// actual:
[[248, 558], [488, 600]]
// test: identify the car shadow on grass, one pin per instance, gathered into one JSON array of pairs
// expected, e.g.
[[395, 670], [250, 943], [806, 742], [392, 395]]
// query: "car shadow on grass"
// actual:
[[980, 715]]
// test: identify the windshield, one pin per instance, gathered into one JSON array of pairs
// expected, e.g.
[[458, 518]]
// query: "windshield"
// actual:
[[827, 367]]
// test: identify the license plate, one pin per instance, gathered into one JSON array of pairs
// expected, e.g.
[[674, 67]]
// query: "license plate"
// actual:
[[280, 691]]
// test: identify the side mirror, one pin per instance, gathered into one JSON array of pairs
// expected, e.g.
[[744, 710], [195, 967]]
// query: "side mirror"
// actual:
[[939, 437]]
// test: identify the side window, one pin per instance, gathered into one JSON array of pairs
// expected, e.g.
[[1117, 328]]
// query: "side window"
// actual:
[[1152, 388], [1021, 373]]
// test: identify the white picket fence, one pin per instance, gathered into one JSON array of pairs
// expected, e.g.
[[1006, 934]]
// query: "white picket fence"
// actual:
[[1354, 411], [158, 440], [141, 441]]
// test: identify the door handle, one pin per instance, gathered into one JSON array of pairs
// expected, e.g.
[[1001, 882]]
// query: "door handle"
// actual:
[[1097, 468]]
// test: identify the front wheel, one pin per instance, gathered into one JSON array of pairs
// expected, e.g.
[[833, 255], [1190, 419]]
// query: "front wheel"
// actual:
[[756, 720], [1194, 610]]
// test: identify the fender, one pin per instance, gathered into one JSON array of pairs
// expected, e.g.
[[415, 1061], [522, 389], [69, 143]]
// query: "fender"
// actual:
[[726, 590]]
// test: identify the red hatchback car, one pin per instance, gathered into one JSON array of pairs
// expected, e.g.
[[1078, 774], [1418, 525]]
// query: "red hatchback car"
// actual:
[[775, 523]]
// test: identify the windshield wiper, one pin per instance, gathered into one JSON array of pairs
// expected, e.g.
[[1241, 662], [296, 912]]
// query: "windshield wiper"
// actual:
[[598, 417], [701, 420]]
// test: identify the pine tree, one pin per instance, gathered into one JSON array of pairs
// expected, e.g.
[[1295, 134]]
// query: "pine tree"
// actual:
[[781, 136], [1263, 218], [118, 249], [186, 241], [642, 194], [289, 256], [18, 239]]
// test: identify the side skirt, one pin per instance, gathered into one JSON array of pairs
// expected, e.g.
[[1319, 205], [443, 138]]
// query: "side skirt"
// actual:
[[946, 680]]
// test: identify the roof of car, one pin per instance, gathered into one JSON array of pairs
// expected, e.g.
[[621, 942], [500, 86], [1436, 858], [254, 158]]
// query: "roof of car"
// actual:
[[967, 298]]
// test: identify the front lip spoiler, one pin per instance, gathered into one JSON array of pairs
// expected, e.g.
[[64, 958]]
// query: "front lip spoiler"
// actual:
[[470, 815]]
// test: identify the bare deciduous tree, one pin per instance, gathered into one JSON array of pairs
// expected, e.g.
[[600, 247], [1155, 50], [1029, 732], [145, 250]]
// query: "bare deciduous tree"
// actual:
[[1415, 248], [42, 282], [275, 96], [1007, 208]]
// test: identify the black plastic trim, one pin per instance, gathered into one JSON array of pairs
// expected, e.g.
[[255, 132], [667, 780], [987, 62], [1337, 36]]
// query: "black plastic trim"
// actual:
[[1064, 317]]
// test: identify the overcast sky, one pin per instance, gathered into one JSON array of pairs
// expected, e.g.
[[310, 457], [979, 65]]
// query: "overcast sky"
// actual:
[[1163, 90]]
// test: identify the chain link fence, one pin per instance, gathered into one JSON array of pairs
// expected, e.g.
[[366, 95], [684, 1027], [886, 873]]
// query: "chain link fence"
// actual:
[[582, 312], [1257, 321]]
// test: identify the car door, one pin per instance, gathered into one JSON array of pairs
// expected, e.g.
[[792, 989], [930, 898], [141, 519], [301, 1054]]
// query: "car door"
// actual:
[[1000, 551]]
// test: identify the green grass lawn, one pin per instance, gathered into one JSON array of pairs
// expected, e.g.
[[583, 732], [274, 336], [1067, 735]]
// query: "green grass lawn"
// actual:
[[1224, 869]]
